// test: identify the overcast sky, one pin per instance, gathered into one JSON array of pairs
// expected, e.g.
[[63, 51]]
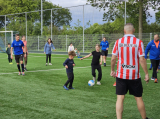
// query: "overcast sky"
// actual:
[[90, 13]]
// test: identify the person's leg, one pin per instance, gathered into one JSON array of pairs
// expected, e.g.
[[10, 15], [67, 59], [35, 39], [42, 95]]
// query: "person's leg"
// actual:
[[141, 107], [71, 81], [25, 61], [104, 60], [93, 73], [151, 66], [99, 74], [46, 58], [49, 58], [22, 65], [17, 58], [8, 58], [69, 75], [119, 106], [154, 68]]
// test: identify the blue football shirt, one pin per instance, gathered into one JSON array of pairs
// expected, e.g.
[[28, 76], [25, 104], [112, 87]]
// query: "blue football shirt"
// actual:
[[17, 45]]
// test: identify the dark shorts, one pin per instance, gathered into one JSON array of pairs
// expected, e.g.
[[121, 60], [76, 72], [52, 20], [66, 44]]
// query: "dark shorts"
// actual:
[[18, 57], [134, 86], [104, 53], [26, 53]]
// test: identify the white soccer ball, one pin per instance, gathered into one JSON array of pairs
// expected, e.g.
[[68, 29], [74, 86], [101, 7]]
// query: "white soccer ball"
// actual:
[[91, 83]]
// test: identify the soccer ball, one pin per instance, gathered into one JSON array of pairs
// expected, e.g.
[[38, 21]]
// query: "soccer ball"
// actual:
[[91, 83]]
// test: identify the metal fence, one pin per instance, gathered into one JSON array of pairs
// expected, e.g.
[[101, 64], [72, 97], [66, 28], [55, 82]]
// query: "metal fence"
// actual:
[[61, 42]]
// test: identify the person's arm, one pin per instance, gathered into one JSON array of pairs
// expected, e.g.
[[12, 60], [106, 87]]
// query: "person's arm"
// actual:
[[101, 44], [86, 56], [45, 48], [144, 67], [11, 52], [53, 46], [7, 50], [101, 60], [24, 48], [107, 45], [68, 48], [113, 62], [113, 59], [73, 63], [65, 63], [147, 49]]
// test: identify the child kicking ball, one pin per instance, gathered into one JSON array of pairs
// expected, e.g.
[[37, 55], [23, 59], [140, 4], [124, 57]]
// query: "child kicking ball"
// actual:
[[95, 63]]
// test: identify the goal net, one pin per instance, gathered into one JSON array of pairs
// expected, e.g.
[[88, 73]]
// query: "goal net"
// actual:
[[5, 38]]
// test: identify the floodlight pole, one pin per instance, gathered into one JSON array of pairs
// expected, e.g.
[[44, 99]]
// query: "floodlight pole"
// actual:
[[5, 32], [83, 28], [26, 25], [51, 24], [41, 17], [125, 13]]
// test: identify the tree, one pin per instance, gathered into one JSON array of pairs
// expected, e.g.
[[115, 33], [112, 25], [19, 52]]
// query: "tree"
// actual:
[[116, 10], [158, 17], [61, 16]]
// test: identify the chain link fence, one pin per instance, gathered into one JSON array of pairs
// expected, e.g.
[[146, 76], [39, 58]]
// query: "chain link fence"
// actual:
[[61, 42]]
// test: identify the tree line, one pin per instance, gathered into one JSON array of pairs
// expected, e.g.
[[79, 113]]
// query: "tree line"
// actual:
[[137, 13]]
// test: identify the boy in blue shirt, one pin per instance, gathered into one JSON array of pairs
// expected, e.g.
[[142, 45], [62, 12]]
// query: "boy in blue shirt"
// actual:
[[105, 45], [18, 52], [69, 64]]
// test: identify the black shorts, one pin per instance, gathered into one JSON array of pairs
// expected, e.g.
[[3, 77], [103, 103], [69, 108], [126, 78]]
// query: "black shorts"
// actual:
[[18, 57], [26, 53], [104, 53], [134, 86]]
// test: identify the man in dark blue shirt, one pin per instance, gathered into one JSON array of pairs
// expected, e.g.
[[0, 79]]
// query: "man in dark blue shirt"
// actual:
[[18, 52], [69, 63], [105, 45]]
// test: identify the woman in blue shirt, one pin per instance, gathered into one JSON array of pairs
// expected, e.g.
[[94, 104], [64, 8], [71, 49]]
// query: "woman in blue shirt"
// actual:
[[105, 45], [48, 51]]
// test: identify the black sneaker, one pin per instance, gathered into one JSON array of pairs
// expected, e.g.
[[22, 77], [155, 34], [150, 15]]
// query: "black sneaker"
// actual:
[[25, 69], [150, 68]]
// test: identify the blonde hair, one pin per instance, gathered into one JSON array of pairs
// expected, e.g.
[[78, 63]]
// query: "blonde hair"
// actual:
[[72, 53], [97, 45], [128, 27]]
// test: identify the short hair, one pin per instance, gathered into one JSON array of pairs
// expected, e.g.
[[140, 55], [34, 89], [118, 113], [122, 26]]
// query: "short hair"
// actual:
[[9, 44], [98, 45], [23, 36], [72, 53], [128, 27], [157, 35], [105, 38], [17, 34]]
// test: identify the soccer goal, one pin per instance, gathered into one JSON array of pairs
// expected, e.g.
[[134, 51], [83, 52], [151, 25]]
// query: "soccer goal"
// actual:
[[5, 38]]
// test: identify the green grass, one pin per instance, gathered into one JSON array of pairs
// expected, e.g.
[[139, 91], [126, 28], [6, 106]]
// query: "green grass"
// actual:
[[40, 95]]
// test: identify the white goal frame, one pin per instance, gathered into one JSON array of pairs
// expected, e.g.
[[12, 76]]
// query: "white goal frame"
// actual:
[[5, 36]]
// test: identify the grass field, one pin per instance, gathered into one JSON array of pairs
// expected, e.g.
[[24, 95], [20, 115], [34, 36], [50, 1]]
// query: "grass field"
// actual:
[[40, 95]]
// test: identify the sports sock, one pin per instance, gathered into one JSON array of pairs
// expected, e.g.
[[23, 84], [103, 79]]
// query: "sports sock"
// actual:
[[22, 65], [104, 63], [18, 67]]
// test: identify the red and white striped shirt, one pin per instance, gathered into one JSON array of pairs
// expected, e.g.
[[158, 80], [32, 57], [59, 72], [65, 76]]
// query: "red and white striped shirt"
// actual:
[[128, 49]]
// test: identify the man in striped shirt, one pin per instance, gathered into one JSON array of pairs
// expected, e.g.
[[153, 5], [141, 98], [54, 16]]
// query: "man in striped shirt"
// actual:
[[129, 51]]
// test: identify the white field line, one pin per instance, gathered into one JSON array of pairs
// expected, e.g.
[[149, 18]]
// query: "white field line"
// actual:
[[44, 70]]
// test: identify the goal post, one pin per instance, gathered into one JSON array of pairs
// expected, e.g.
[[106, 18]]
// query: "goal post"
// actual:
[[5, 38]]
